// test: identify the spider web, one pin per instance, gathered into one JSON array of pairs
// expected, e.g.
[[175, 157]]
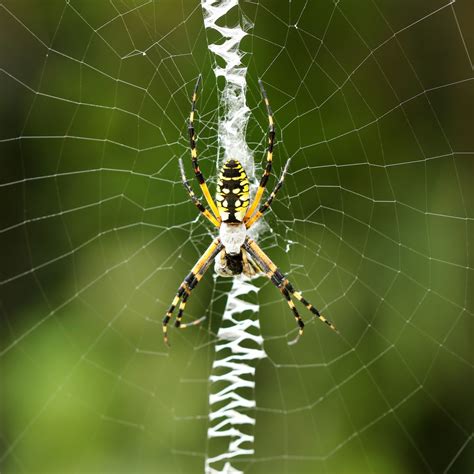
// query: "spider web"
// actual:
[[373, 104]]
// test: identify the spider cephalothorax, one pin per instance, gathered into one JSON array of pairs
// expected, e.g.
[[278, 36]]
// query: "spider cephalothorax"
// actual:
[[233, 250]]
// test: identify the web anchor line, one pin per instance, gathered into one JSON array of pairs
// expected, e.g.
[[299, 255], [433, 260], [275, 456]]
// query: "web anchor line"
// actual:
[[240, 345]]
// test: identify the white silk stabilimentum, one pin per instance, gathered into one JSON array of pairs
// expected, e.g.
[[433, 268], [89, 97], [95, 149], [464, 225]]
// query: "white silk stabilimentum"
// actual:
[[240, 344]]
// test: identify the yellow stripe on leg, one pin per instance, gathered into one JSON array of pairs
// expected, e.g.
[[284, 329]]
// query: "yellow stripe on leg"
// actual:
[[287, 285], [210, 201], [255, 203], [253, 219], [211, 218]]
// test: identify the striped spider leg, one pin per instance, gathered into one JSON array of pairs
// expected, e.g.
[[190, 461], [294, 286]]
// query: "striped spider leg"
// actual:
[[194, 159], [268, 167], [265, 206], [283, 284], [188, 284], [194, 199]]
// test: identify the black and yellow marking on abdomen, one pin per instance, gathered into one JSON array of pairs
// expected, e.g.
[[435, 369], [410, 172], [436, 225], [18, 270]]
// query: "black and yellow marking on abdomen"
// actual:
[[232, 192]]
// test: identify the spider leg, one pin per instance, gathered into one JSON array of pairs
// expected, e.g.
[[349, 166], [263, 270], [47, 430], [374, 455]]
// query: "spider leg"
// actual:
[[268, 168], [292, 306], [193, 197], [178, 323], [250, 268], [190, 282], [271, 274], [182, 306], [192, 143], [264, 207], [191, 286], [282, 283]]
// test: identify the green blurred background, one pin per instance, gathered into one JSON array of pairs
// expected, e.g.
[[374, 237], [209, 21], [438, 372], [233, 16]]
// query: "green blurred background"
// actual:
[[373, 102]]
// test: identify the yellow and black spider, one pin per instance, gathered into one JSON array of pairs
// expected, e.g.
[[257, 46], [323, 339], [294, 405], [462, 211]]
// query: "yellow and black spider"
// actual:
[[236, 252]]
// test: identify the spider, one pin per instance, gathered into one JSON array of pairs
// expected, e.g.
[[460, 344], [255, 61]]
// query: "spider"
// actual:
[[233, 250]]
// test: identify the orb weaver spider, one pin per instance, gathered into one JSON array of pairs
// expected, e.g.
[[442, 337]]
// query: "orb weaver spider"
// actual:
[[233, 250]]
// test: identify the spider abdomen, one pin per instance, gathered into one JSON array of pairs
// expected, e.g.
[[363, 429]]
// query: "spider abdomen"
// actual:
[[232, 192], [234, 263], [227, 265]]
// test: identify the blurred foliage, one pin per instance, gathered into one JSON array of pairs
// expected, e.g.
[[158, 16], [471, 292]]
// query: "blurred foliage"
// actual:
[[373, 104]]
